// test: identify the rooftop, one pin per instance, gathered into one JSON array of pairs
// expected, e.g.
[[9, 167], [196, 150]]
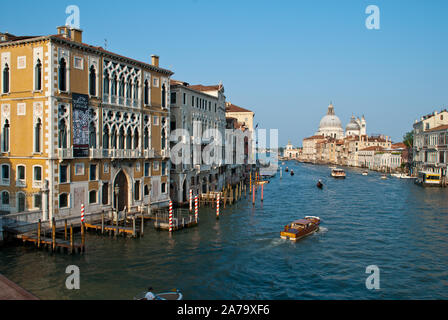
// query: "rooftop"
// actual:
[[233, 108]]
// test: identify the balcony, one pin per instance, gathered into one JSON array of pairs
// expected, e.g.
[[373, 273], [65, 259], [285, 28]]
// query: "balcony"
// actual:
[[95, 153], [65, 153], [202, 167], [121, 153], [148, 153]]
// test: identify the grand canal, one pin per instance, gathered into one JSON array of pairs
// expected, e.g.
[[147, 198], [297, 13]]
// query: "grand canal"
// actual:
[[400, 227]]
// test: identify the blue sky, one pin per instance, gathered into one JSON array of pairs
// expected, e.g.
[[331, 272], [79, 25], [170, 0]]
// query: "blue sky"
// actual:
[[285, 60]]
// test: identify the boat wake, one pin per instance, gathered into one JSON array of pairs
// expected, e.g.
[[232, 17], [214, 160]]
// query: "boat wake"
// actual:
[[322, 230]]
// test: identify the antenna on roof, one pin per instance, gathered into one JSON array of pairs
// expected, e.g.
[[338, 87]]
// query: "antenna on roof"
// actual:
[[105, 43]]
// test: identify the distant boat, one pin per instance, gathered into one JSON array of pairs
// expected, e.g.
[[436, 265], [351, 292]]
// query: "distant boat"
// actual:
[[320, 185], [365, 173], [383, 177], [338, 173], [292, 172], [287, 169]]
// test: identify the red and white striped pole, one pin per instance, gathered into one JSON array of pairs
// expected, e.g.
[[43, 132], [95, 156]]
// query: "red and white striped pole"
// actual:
[[171, 217], [191, 200], [82, 213], [217, 207], [196, 208]]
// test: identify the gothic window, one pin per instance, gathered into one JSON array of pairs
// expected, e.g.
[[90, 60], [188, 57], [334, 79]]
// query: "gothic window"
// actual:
[[106, 138], [136, 90], [38, 76], [113, 91], [92, 135], [136, 138], [128, 89], [114, 138], [146, 139], [5, 133], [37, 135], [62, 141], [163, 96], [146, 92], [6, 79], [106, 83], [62, 75], [129, 139], [121, 88], [92, 81], [121, 139]]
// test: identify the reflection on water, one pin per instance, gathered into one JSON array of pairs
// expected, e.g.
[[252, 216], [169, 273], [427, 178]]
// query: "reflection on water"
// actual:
[[392, 223]]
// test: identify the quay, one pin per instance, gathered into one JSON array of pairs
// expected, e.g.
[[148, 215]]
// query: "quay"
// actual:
[[11, 291]]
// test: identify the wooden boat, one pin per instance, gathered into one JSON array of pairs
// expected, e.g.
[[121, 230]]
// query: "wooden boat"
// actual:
[[383, 177], [292, 172], [320, 185], [300, 228], [338, 173], [172, 295], [287, 169], [365, 173]]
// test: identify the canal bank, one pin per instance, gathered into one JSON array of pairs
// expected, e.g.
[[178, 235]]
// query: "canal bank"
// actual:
[[11, 291], [392, 223]]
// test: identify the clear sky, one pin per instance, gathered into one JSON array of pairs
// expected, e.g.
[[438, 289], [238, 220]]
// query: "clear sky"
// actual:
[[285, 60]]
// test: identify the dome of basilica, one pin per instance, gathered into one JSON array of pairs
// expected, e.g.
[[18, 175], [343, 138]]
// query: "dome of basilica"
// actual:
[[330, 120]]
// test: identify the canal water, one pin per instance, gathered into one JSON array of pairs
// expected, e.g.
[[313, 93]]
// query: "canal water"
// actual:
[[393, 224]]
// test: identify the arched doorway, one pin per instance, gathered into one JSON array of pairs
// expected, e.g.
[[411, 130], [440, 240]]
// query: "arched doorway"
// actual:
[[184, 192], [121, 191]]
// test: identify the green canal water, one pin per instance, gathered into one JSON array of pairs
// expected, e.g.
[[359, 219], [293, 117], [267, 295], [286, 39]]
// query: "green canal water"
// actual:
[[393, 224]]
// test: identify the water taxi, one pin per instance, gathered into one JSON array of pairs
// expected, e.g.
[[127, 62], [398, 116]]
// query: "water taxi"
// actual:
[[300, 228], [429, 179], [338, 173]]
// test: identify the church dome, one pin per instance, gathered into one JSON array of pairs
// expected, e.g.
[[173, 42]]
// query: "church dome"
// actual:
[[352, 125], [330, 120]]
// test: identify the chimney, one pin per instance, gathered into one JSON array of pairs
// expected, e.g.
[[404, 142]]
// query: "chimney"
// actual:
[[155, 60], [76, 35]]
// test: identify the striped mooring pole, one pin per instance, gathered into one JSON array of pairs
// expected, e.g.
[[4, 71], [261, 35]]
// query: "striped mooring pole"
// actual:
[[171, 217], [191, 200], [82, 213], [196, 208], [217, 207]]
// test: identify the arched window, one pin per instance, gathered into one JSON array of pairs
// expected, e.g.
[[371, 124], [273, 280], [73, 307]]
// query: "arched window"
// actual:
[[113, 90], [136, 90], [62, 141], [6, 79], [136, 139], [106, 83], [121, 139], [106, 137], [163, 138], [38, 76], [121, 88], [62, 75], [128, 89], [37, 135], [92, 81], [129, 139], [20, 202], [146, 139], [5, 198], [163, 96], [113, 140], [92, 135], [5, 133], [146, 92]]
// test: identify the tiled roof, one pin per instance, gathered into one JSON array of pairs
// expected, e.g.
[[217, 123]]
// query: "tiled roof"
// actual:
[[398, 145], [200, 87], [373, 148], [233, 108], [314, 138]]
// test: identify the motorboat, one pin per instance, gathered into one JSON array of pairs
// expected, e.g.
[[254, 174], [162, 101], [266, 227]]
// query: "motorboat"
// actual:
[[287, 169], [383, 177], [429, 179], [292, 172], [365, 173], [338, 173], [171, 295], [298, 229], [320, 185]]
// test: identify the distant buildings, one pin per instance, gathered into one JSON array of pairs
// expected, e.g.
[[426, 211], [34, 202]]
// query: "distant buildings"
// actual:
[[430, 153], [290, 152], [350, 148]]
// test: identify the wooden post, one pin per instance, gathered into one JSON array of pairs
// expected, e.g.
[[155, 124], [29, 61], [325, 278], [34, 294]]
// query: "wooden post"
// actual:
[[39, 228], [102, 223], [83, 237], [116, 226], [71, 238], [142, 226], [262, 186], [253, 195], [53, 234], [65, 230], [133, 227]]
